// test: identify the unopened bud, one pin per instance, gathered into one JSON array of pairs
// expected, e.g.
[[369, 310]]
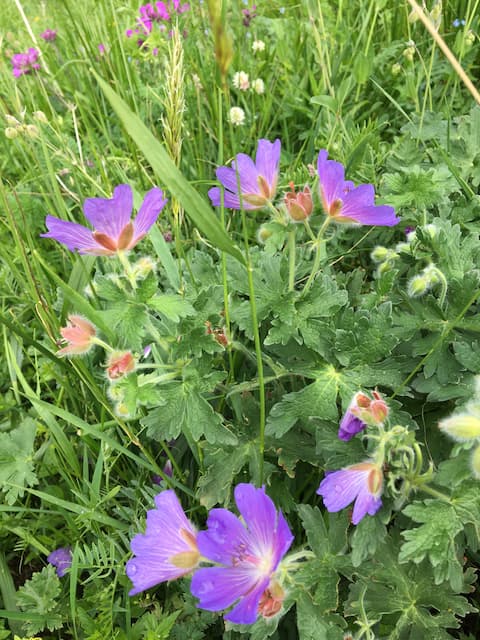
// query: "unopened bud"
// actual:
[[32, 131], [432, 230], [299, 205], [418, 286], [119, 364], [469, 38], [408, 53], [379, 254], [396, 69], [11, 120], [462, 427], [40, 116], [475, 462], [11, 133], [121, 410], [263, 234], [143, 267]]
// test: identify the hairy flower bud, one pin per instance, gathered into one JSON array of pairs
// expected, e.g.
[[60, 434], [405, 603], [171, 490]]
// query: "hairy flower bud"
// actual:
[[11, 133], [299, 205], [379, 254], [418, 286], [461, 427]]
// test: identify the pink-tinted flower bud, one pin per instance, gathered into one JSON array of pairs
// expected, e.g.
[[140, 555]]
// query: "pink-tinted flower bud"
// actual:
[[119, 364], [271, 601], [299, 205], [78, 334]]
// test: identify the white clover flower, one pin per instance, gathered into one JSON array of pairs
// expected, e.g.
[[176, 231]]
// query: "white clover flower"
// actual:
[[241, 81], [258, 86], [258, 45], [237, 116]]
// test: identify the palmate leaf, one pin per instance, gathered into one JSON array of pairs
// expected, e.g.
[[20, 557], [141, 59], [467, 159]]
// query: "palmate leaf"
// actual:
[[194, 204], [38, 598], [406, 597], [16, 460]]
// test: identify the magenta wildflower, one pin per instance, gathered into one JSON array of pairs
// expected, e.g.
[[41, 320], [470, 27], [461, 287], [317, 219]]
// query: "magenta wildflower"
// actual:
[[346, 203], [168, 549], [101, 49], [49, 35], [361, 482], [247, 551], [361, 412], [61, 559], [24, 63], [257, 180], [113, 228]]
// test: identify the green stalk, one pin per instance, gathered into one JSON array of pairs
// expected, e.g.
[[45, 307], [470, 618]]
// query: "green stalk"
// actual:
[[318, 254], [291, 259], [258, 346]]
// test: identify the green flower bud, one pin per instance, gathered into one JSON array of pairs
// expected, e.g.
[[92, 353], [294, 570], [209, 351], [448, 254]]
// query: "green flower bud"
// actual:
[[475, 462], [396, 69], [418, 286], [461, 427], [379, 254], [40, 116], [11, 133]]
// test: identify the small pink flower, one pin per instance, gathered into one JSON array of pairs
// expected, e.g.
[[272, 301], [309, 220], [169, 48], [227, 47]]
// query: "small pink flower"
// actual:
[[119, 364], [299, 205], [78, 334]]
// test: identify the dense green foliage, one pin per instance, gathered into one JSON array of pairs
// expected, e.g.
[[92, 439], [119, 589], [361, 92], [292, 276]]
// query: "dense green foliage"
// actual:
[[260, 336]]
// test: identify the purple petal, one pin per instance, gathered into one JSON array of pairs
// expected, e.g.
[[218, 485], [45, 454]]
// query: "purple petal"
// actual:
[[365, 503], [61, 559], [340, 488], [162, 540], [110, 215], [230, 200], [72, 235], [359, 205], [259, 514], [268, 159], [248, 174], [224, 535], [148, 213], [218, 588], [246, 611], [332, 179], [284, 539], [349, 426]]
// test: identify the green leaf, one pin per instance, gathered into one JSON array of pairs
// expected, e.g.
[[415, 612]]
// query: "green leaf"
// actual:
[[222, 465], [38, 597], [16, 460], [172, 306], [369, 534], [434, 539], [184, 409], [313, 624], [195, 206], [315, 400]]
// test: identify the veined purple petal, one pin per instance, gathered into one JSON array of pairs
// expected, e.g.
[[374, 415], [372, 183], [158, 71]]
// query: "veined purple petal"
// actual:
[[365, 503], [61, 559], [224, 535], [218, 588], [230, 200], [380, 216], [284, 539], [110, 215], [259, 514], [247, 172], [332, 178], [72, 235], [148, 213], [340, 488], [268, 160], [246, 611], [168, 533]]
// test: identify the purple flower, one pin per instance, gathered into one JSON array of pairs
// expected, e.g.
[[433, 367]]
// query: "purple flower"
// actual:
[[101, 49], [113, 228], [247, 551], [360, 482], [258, 180], [350, 424], [49, 35], [168, 549], [361, 412], [24, 63], [346, 203], [62, 559]]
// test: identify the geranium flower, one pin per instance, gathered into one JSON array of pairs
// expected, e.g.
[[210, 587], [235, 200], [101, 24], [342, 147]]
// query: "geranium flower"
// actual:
[[258, 180], [79, 335], [346, 203], [49, 35], [113, 229], [248, 552], [61, 559], [168, 549], [360, 482]]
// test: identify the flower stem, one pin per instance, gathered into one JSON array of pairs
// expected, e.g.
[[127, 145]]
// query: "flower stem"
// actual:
[[433, 492], [318, 254], [128, 268], [291, 259], [258, 346]]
